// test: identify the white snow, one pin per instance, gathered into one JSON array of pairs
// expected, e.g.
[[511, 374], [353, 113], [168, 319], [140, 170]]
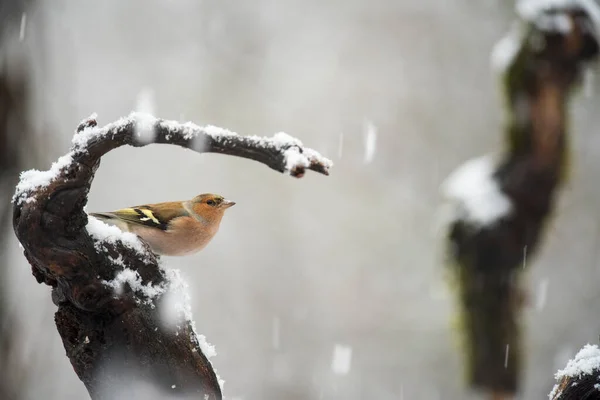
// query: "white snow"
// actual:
[[281, 139], [134, 280], [22, 27], [585, 362], [104, 233], [34, 179], [342, 358], [145, 131], [117, 261], [283, 142], [293, 157], [531, 10], [534, 11], [560, 23], [81, 140], [507, 48], [145, 109], [370, 132], [177, 309], [475, 193]]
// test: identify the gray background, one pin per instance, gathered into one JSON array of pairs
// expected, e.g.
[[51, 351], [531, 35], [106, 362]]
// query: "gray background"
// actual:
[[351, 259]]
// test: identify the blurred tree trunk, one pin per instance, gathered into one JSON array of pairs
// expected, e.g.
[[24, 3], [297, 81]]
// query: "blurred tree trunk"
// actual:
[[14, 103], [488, 259]]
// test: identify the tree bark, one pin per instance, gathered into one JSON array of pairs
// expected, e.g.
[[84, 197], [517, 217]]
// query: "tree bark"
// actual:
[[583, 387], [488, 261], [113, 338]]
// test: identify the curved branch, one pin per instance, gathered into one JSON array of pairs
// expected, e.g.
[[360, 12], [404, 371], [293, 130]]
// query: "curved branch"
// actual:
[[107, 284], [282, 152]]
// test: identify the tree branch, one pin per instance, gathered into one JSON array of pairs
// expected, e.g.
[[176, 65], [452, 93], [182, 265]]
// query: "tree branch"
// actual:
[[281, 153], [108, 286], [579, 379]]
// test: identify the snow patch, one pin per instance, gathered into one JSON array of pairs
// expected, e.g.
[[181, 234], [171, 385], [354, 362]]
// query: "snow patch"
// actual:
[[82, 139], [531, 10], [34, 179], [104, 233], [506, 49], [585, 362], [282, 139], [291, 147], [145, 124], [370, 131], [475, 193], [145, 131], [342, 358], [176, 309], [22, 27], [537, 12], [134, 280]]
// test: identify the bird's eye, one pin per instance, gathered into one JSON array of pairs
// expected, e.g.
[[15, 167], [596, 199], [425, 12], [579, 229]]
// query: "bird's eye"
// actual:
[[210, 202]]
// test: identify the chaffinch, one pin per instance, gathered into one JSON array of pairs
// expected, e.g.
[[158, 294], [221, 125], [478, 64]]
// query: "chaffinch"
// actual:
[[174, 228]]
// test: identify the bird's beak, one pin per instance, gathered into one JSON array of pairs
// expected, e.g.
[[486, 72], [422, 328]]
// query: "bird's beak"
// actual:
[[227, 203]]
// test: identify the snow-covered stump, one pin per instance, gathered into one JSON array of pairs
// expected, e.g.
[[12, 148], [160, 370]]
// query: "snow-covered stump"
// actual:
[[580, 379], [500, 205], [112, 294]]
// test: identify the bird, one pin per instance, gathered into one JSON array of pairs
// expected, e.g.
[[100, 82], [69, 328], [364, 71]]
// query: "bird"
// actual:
[[175, 228]]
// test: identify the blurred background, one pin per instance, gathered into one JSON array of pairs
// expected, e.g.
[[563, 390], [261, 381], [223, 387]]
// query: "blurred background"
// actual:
[[318, 288]]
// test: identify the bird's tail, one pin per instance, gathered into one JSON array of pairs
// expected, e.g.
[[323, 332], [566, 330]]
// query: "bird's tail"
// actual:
[[489, 318]]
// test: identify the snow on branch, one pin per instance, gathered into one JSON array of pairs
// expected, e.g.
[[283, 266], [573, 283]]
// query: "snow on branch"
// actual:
[[475, 195], [580, 378], [537, 11], [281, 152], [119, 311], [559, 17]]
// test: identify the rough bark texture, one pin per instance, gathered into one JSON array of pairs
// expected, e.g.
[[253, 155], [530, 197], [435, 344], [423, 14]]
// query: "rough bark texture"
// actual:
[[582, 388], [488, 262], [113, 339]]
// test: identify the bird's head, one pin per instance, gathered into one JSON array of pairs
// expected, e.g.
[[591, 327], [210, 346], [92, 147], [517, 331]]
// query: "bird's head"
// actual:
[[210, 205]]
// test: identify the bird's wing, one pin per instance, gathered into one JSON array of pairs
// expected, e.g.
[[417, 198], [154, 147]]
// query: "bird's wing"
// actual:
[[149, 215]]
